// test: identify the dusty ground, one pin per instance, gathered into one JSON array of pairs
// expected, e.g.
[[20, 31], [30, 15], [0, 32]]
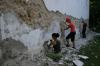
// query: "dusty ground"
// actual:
[[83, 41]]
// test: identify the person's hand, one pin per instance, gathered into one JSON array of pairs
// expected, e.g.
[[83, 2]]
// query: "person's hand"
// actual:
[[65, 29], [51, 46]]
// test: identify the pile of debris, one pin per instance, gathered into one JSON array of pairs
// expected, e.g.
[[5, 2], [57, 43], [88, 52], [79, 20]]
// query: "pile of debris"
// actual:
[[14, 53], [68, 57]]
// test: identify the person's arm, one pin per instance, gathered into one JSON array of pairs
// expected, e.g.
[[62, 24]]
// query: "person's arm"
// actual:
[[67, 27], [52, 43]]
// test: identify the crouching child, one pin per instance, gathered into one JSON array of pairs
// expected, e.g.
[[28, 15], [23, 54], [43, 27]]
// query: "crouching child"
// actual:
[[55, 43]]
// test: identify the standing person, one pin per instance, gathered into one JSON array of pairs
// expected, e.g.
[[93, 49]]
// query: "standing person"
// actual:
[[72, 33], [55, 43], [84, 26]]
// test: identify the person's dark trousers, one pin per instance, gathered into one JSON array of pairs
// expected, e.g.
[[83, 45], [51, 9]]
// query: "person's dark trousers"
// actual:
[[84, 33]]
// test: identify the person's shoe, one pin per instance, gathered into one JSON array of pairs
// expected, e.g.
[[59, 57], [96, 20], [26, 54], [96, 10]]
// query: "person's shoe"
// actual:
[[74, 47], [67, 45]]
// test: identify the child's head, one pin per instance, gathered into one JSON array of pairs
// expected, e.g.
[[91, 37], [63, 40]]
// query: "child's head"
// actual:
[[55, 35], [68, 20]]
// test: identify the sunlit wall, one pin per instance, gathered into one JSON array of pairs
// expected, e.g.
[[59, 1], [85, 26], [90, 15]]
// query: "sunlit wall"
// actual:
[[76, 8]]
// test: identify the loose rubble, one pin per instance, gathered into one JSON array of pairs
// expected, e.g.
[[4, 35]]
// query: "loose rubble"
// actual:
[[14, 53]]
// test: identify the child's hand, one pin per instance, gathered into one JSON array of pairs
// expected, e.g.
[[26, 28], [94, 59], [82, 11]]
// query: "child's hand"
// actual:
[[51, 46], [65, 29]]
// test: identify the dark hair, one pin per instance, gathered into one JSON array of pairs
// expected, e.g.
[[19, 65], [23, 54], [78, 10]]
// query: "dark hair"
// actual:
[[55, 35]]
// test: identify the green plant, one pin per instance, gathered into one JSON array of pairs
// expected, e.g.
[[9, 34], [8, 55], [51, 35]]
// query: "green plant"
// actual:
[[55, 57], [92, 50]]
